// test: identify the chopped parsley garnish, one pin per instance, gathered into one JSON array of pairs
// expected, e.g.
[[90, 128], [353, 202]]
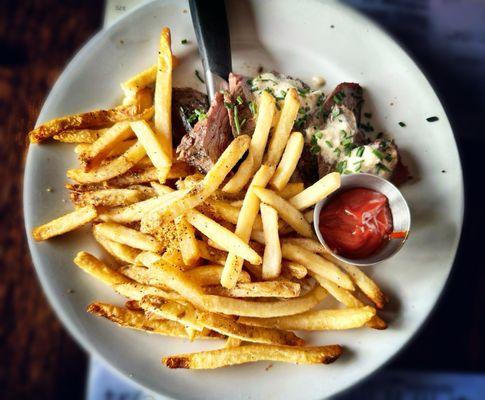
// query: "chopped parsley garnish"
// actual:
[[184, 41], [402, 124], [253, 107], [360, 151], [303, 91], [339, 97], [341, 166], [197, 74], [315, 149], [328, 143], [239, 100], [378, 154], [319, 134], [432, 119], [368, 115]]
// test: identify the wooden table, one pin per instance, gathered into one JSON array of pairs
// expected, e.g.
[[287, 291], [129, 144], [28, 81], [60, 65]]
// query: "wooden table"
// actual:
[[38, 359]]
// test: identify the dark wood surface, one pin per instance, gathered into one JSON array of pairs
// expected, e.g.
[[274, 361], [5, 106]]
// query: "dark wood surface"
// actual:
[[38, 359]]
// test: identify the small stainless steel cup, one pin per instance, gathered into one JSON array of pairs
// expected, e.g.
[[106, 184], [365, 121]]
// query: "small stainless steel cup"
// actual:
[[399, 209]]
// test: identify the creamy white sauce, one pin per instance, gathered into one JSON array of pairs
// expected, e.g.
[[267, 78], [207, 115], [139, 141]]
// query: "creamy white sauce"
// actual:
[[378, 158]]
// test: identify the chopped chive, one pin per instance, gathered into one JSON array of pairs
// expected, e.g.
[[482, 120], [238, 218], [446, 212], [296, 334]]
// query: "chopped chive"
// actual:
[[252, 107], [378, 154], [336, 113], [303, 91], [339, 97], [315, 149], [319, 134], [402, 124], [358, 162], [341, 166], [236, 121], [432, 119], [329, 144], [228, 105], [337, 151], [239, 100], [313, 140], [197, 74], [243, 122], [184, 41], [380, 166], [360, 151]]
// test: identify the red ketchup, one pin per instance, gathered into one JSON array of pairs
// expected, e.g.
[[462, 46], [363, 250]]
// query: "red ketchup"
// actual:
[[356, 223]]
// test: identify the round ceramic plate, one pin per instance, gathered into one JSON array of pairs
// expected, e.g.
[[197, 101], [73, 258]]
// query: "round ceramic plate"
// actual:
[[301, 39]]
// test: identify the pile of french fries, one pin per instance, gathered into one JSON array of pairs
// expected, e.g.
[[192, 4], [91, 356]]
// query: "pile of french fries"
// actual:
[[230, 255]]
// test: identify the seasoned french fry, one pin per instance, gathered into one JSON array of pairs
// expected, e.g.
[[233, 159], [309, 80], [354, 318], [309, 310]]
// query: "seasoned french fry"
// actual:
[[102, 147], [141, 80], [163, 93], [144, 175], [347, 318], [232, 342], [173, 256], [211, 275], [120, 252], [112, 168], [252, 353], [272, 252], [192, 317], [187, 241], [225, 211], [285, 210], [107, 197], [316, 192], [256, 148], [136, 291], [137, 320], [316, 264], [211, 254], [66, 223], [282, 289], [289, 161], [154, 146], [144, 276], [245, 221], [130, 237], [283, 128], [80, 135], [222, 236], [296, 270], [291, 189], [247, 308], [99, 270]]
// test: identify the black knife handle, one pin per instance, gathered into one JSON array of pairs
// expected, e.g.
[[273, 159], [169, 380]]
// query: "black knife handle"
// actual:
[[212, 32]]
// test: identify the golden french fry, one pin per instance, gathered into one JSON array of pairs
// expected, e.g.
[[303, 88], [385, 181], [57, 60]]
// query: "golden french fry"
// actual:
[[282, 289], [196, 319], [285, 210], [130, 237], [316, 264], [141, 80], [187, 241], [227, 212], [272, 252], [247, 308], [256, 148], [232, 342], [99, 270], [222, 236], [163, 93], [291, 189], [211, 254], [316, 320], [66, 223], [112, 168], [289, 161], [80, 135], [316, 192], [252, 353], [211, 275], [106, 197], [245, 221], [283, 128], [136, 291], [137, 320], [294, 269], [120, 252]]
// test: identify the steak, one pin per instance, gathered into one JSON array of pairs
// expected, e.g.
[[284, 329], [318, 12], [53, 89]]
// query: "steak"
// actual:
[[202, 145], [347, 94], [237, 101], [184, 103]]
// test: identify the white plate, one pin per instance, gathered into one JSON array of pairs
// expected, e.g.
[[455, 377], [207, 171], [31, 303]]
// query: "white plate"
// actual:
[[295, 38]]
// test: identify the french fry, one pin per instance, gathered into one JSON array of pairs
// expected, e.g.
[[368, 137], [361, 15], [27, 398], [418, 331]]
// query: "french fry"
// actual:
[[120, 252], [102, 147], [112, 168], [106, 197], [291, 189], [187, 241], [316, 192], [137, 320], [144, 276], [232, 342], [163, 93], [316, 264], [317, 320], [285, 210], [99, 270], [225, 211], [256, 148], [89, 120], [80, 135], [251, 353], [66, 223], [308, 215], [144, 175], [154, 146], [136, 291], [130, 237], [283, 128], [248, 308], [296, 270], [289, 161], [192, 317], [141, 80], [245, 221], [272, 252], [211, 275], [211, 254], [280, 289], [222, 236], [173, 256]]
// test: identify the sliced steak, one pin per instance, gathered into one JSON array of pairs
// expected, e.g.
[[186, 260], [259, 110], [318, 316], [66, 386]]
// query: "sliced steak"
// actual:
[[184, 103], [203, 145], [238, 101], [347, 94]]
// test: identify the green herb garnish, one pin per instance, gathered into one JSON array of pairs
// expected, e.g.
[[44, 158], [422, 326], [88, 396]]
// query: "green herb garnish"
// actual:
[[432, 119], [378, 154], [197, 74], [360, 151], [381, 166], [336, 113], [198, 115], [329, 144], [319, 134], [236, 121], [303, 91], [339, 97], [402, 124], [253, 107], [239, 100], [341, 166], [228, 105], [315, 149], [184, 41]]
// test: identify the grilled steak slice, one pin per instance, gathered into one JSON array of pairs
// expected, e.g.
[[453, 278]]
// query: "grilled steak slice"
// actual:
[[184, 103], [203, 145], [347, 94], [237, 101]]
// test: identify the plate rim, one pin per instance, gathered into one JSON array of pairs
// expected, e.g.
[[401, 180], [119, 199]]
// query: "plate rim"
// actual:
[[65, 317]]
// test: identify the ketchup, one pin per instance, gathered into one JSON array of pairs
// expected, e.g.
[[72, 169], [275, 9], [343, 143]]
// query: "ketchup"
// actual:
[[356, 223]]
